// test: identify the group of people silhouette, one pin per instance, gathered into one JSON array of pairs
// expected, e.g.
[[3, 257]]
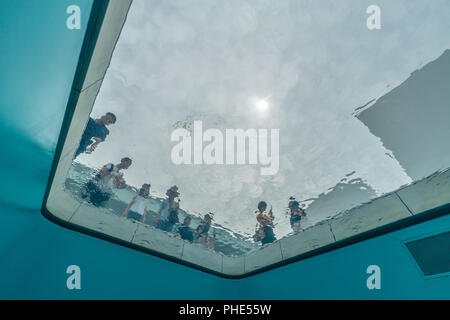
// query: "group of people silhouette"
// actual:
[[264, 229], [99, 189]]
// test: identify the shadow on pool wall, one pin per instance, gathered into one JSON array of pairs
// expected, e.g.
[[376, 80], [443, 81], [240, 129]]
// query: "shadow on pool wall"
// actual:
[[412, 120]]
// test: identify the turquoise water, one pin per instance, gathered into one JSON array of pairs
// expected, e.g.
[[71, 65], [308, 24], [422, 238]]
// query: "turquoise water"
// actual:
[[35, 252]]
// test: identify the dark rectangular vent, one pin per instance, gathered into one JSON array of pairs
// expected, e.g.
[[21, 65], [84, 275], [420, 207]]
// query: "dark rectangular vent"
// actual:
[[432, 254]]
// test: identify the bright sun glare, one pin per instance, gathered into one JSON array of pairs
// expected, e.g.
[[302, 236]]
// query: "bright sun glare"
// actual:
[[262, 105]]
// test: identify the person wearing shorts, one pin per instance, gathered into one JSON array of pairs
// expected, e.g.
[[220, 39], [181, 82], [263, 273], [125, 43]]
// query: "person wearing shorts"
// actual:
[[137, 208]]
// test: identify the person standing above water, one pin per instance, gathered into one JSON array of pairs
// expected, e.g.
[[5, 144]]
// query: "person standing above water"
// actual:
[[265, 232], [168, 212], [202, 232], [137, 208], [185, 232], [95, 133], [100, 188], [296, 214]]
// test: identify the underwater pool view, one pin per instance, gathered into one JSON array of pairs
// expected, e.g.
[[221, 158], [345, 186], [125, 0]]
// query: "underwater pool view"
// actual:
[[233, 125]]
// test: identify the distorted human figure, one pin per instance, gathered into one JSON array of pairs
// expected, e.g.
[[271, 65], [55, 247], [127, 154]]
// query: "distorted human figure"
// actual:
[[265, 231], [137, 208], [95, 133], [168, 212], [296, 214], [185, 232], [202, 232], [100, 188]]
